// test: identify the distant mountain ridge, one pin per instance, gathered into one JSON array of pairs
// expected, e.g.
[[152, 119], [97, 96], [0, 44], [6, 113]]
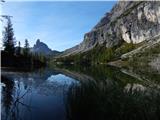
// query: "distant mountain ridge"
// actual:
[[42, 48]]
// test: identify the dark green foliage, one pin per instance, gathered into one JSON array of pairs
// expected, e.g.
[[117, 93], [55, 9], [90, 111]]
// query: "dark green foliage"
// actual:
[[124, 48], [92, 100], [18, 52], [26, 48], [21, 61], [143, 57], [8, 38], [98, 55], [25, 60], [12, 58]]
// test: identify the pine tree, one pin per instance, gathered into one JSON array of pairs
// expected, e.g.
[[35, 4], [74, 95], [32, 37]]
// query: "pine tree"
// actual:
[[8, 38], [19, 48], [26, 48]]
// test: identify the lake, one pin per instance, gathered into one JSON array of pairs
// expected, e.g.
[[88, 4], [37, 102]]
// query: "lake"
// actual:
[[80, 93]]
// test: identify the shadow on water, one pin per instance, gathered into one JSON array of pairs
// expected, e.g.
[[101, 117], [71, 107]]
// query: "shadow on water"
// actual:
[[79, 93], [7, 91], [93, 101]]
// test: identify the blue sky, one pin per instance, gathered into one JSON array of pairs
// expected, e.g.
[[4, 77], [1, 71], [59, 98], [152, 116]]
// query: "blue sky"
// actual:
[[60, 25]]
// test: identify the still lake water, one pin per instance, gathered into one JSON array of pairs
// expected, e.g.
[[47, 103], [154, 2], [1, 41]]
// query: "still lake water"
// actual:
[[80, 93]]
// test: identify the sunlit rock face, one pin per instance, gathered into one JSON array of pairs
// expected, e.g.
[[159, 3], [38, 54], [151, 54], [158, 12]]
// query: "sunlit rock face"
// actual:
[[128, 21], [143, 21]]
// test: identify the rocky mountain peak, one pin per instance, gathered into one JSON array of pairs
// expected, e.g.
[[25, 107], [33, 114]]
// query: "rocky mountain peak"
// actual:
[[41, 48], [128, 21], [38, 41], [41, 45]]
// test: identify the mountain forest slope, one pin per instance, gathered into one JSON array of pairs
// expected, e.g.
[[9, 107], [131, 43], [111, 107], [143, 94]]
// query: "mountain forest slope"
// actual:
[[129, 26]]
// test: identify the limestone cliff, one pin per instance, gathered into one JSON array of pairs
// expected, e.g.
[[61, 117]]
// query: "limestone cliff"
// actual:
[[127, 21]]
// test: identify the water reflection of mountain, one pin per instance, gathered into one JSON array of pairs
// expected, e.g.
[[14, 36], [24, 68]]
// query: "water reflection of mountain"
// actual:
[[88, 92], [82, 73], [143, 74], [31, 95], [109, 93], [92, 101], [39, 79], [102, 73], [38, 76]]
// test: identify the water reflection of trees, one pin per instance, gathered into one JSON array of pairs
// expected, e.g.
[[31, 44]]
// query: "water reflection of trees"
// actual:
[[93, 101], [7, 92], [13, 95], [18, 92]]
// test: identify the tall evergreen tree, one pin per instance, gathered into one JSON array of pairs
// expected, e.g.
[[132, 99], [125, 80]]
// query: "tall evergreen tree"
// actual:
[[19, 48], [26, 47], [8, 38]]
